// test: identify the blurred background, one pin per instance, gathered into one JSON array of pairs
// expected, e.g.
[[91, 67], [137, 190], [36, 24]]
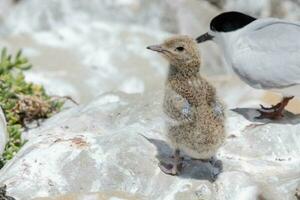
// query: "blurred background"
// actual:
[[85, 48]]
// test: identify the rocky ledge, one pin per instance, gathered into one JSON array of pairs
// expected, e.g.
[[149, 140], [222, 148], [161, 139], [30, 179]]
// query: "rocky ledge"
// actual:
[[101, 150]]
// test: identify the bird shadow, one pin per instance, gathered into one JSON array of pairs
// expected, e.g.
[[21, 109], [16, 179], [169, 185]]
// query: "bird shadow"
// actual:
[[251, 114], [193, 169]]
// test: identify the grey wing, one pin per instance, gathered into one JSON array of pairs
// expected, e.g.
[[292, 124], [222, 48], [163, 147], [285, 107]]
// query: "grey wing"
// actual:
[[271, 55]]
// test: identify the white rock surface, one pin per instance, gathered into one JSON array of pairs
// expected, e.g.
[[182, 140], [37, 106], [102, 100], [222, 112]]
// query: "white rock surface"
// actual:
[[5, 7], [112, 195], [100, 147], [288, 9], [82, 53], [52, 14], [3, 131]]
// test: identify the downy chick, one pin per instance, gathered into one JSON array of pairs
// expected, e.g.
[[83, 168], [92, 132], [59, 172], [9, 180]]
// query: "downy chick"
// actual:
[[195, 116]]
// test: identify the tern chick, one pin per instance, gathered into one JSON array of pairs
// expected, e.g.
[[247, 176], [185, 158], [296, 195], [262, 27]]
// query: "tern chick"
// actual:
[[195, 115]]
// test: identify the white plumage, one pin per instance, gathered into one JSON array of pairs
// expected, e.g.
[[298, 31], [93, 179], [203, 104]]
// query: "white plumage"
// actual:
[[265, 54]]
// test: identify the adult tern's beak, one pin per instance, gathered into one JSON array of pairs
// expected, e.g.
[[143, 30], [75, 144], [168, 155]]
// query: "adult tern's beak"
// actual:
[[204, 37]]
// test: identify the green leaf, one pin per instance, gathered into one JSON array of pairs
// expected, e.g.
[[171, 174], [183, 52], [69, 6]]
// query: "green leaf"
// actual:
[[3, 54], [12, 85]]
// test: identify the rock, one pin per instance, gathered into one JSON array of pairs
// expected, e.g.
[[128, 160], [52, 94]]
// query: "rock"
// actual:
[[52, 14], [3, 195], [85, 63], [3, 132], [218, 3], [95, 196], [288, 9], [89, 47], [76, 48], [115, 142], [5, 7], [298, 193]]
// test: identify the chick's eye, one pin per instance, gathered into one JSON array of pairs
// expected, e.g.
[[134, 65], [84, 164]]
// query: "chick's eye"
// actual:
[[179, 48]]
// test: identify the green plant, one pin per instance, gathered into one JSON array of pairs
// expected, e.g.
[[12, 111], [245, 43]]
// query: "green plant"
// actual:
[[14, 90]]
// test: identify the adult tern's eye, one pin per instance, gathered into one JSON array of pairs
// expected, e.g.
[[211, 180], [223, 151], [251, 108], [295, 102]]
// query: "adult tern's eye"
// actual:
[[212, 28], [179, 49]]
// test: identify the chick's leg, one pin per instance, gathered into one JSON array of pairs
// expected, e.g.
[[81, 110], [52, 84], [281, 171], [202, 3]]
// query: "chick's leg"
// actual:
[[175, 168], [276, 110]]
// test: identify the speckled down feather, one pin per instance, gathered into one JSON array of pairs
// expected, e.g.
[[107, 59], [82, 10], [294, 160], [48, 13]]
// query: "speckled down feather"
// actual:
[[195, 117]]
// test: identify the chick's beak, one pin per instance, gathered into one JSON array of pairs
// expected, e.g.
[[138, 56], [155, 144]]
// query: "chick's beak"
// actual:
[[204, 37], [157, 48]]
